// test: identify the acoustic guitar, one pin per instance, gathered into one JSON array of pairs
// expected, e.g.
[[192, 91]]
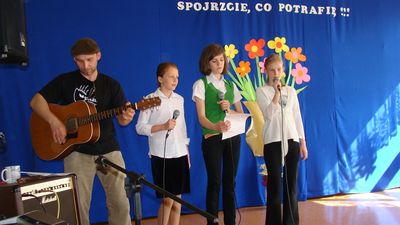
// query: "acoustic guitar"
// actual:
[[81, 120]]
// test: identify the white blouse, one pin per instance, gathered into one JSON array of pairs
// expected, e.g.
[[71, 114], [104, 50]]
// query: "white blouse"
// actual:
[[292, 121], [177, 141]]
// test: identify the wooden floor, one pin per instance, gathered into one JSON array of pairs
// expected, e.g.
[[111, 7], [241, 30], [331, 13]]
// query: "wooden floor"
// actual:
[[380, 208]]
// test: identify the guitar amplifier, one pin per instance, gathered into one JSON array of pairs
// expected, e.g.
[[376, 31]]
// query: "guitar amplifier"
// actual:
[[53, 195]]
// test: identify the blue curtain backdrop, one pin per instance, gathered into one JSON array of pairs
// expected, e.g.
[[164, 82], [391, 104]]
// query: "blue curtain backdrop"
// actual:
[[350, 107]]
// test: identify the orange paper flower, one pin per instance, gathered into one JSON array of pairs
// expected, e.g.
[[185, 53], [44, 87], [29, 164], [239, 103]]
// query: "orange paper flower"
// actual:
[[243, 69], [295, 55]]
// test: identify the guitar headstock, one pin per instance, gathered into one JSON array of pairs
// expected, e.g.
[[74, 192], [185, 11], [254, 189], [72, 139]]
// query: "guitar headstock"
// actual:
[[147, 103]]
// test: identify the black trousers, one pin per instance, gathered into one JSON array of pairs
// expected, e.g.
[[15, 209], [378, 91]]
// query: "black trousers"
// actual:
[[273, 161], [221, 154]]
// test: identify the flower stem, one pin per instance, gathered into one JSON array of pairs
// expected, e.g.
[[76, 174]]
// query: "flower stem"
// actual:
[[289, 73], [292, 82], [235, 80], [239, 80], [249, 88], [260, 80]]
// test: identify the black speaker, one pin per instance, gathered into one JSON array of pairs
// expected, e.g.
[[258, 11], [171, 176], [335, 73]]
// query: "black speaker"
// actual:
[[13, 42]]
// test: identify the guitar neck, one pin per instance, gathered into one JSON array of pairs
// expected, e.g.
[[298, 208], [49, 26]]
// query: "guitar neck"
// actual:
[[141, 105], [105, 114]]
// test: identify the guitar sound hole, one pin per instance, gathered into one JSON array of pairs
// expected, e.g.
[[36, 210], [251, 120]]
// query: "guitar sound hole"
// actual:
[[72, 128]]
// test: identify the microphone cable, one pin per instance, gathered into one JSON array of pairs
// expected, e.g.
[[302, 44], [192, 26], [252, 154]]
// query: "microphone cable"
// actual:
[[234, 183], [221, 96], [233, 173], [163, 178], [284, 169], [174, 117]]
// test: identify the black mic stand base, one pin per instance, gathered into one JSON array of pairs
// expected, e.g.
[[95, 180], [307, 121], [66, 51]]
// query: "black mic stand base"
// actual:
[[135, 187]]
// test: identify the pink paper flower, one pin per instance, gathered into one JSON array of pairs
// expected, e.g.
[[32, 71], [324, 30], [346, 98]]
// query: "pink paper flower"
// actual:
[[300, 73]]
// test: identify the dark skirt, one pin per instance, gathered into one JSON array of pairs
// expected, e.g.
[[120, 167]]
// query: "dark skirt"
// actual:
[[177, 176]]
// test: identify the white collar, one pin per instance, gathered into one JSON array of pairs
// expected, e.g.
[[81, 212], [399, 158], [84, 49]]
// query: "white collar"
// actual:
[[161, 94], [213, 78]]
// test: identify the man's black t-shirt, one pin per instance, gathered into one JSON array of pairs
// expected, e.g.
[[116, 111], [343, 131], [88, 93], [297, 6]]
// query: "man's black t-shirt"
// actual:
[[105, 92]]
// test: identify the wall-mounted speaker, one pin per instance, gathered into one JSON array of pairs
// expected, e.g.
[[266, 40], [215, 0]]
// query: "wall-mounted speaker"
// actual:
[[55, 196], [13, 41]]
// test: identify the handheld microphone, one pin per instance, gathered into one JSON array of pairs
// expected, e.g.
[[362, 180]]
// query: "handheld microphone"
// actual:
[[277, 80], [175, 114], [174, 117], [221, 96]]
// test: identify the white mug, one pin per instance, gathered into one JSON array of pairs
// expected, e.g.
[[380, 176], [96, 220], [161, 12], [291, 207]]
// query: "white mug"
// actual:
[[11, 174]]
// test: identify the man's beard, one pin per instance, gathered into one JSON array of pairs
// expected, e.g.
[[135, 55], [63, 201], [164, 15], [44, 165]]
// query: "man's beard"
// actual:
[[88, 72]]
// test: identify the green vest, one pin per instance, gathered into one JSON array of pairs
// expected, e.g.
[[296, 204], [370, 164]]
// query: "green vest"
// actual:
[[213, 110]]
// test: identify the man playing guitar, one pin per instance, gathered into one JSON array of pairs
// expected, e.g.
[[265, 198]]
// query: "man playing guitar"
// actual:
[[88, 85]]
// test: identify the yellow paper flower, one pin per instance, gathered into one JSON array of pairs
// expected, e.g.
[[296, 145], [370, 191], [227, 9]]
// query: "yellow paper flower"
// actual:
[[230, 51], [279, 44]]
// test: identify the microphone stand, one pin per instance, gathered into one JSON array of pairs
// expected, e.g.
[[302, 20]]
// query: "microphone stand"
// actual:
[[133, 186], [133, 183]]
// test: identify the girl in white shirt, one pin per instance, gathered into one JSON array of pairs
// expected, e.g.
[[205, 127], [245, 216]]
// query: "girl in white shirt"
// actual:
[[280, 107], [168, 142]]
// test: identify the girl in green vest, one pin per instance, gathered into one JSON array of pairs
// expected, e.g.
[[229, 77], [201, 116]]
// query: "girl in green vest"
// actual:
[[214, 97]]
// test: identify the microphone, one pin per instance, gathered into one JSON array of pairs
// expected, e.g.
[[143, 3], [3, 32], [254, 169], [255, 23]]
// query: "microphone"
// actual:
[[175, 114], [221, 96], [174, 117], [277, 80]]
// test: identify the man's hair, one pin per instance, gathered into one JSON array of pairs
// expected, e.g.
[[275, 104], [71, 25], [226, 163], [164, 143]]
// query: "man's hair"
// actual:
[[207, 55], [85, 46]]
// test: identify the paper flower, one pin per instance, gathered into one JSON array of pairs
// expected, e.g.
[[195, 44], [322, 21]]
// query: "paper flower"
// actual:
[[243, 69], [230, 51], [255, 48], [279, 44], [300, 73]]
